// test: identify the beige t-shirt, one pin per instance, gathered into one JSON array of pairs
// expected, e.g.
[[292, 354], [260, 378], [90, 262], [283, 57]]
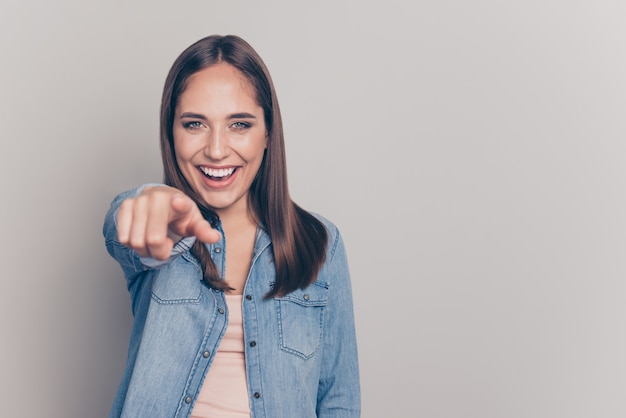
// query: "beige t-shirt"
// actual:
[[224, 393]]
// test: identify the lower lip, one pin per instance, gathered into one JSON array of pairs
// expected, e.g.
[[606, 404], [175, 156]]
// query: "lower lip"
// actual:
[[218, 184]]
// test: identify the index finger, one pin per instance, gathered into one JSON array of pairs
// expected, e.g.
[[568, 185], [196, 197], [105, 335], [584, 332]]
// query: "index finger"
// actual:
[[186, 220]]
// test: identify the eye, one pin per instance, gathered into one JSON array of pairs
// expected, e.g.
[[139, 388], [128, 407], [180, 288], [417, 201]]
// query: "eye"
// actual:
[[240, 125], [192, 125]]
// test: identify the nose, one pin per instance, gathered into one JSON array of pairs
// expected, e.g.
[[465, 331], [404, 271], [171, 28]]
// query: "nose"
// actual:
[[216, 147]]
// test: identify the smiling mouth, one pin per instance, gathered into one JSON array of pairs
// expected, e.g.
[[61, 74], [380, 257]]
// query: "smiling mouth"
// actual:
[[218, 174]]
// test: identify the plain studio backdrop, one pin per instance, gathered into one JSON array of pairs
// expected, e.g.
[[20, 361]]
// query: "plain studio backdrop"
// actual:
[[471, 153]]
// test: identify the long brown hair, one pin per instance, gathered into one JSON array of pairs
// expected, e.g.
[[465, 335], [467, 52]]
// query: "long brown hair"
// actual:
[[298, 239]]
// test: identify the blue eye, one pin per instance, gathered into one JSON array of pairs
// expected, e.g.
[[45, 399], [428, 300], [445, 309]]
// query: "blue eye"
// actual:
[[240, 125], [193, 125]]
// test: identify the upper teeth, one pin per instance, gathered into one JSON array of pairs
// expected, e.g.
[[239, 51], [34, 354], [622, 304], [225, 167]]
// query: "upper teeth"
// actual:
[[217, 172]]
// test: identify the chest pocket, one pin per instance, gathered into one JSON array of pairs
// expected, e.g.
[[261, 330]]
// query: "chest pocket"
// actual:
[[178, 282], [301, 319]]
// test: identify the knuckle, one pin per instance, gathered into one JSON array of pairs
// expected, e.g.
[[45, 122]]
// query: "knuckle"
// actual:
[[136, 243], [155, 240], [123, 239], [127, 203]]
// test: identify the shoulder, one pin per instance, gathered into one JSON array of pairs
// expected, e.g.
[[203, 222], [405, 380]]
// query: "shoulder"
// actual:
[[335, 270], [331, 228], [335, 241]]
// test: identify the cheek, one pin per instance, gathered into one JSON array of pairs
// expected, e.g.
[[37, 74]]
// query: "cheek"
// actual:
[[182, 161], [263, 143], [181, 152], [259, 154]]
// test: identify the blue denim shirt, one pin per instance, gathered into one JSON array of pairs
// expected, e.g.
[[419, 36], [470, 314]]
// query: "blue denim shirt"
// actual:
[[300, 349]]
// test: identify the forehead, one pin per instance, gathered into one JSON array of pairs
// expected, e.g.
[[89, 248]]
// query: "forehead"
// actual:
[[219, 82]]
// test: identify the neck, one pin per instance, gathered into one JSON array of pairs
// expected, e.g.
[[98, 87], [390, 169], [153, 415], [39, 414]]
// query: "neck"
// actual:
[[236, 219]]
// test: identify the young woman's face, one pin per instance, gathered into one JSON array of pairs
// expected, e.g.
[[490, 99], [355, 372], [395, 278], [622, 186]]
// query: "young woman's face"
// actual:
[[219, 137]]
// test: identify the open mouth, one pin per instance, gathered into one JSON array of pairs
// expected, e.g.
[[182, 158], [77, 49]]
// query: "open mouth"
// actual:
[[218, 174]]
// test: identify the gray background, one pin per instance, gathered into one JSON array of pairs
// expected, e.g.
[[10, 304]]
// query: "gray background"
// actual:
[[470, 152]]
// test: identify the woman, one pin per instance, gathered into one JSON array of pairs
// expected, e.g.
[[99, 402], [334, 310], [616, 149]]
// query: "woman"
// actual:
[[241, 299]]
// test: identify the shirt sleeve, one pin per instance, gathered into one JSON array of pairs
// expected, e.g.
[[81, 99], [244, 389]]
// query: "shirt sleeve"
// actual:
[[339, 388]]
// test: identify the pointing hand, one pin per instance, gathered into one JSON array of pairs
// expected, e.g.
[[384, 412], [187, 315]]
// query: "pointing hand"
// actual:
[[154, 221]]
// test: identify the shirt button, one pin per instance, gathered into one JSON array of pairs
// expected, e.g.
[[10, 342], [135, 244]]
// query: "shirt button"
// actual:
[[248, 297], [206, 354], [306, 297], [252, 343], [257, 395], [217, 250], [220, 310], [188, 399]]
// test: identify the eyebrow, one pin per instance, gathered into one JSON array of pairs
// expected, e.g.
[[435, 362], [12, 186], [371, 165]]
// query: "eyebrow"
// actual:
[[242, 115], [192, 115]]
